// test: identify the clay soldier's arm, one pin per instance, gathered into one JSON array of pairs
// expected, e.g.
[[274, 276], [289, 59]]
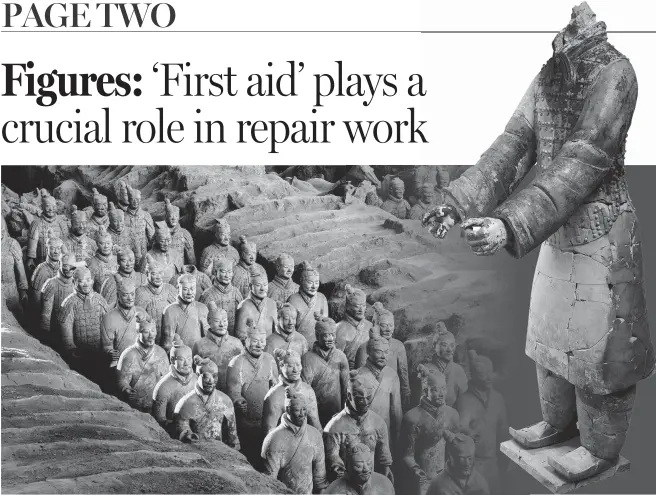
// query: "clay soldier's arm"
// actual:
[[269, 415], [407, 438], [396, 411], [402, 371], [307, 372], [383, 454], [189, 254], [240, 322], [361, 356], [319, 479], [583, 162], [202, 320], [334, 462], [107, 339], [466, 417], [230, 427], [233, 381], [108, 291], [313, 411], [343, 378], [150, 227], [271, 458], [206, 261], [124, 371], [19, 269], [182, 415], [66, 318], [160, 401], [168, 329], [33, 239], [47, 304]]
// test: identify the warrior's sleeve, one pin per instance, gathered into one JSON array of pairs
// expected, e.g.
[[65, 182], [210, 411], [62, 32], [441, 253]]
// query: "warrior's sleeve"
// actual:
[[47, 304], [383, 454], [402, 370], [240, 322], [150, 226], [307, 372], [160, 401], [189, 254], [461, 381], [124, 371], [361, 356], [583, 162], [181, 416], [66, 319], [269, 419], [108, 291], [106, 337], [234, 380], [407, 439], [313, 411], [168, 329], [396, 411], [319, 479], [230, 426], [271, 458], [19, 269], [343, 378], [206, 260], [203, 312], [485, 185], [465, 416], [33, 238], [332, 441]]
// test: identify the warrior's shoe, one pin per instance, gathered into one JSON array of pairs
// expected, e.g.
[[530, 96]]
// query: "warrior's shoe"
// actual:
[[542, 434], [579, 464]]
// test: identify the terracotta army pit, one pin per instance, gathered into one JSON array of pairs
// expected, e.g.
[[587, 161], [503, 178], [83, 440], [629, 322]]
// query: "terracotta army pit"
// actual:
[[103, 263], [308, 301], [285, 335], [246, 266], [14, 279], [360, 477], [395, 204], [353, 330], [182, 244], [49, 219], [125, 258], [217, 344], [289, 367], [203, 281], [426, 201], [161, 252], [77, 241], [53, 293], [221, 248], [186, 316], [45, 270], [140, 224], [257, 306], [293, 451], [99, 217], [222, 292], [121, 236], [282, 286]]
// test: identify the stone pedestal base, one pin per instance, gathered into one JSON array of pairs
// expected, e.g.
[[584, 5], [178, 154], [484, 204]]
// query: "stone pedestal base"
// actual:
[[534, 462]]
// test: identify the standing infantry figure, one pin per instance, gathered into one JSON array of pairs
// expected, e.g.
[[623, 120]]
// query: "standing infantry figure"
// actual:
[[357, 423], [421, 440], [359, 477], [156, 295], [53, 293], [174, 385], [217, 345], [36, 242], [444, 344], [397, 358], [186, 316], [103, 264], [99, 218], [293, 452], [14, 280], [121, 236], [220, 249], [125, 258], [141, 366], [241, 278], [161, 252], [395, 204], [257, 307], [45, 270], [203, 281], [77, 241], [587, 331], [326, 369], [426, 200], [222, 292], [285, 336], [289, 366], [250, 376], [282, 286], [308, 301], [353, 330], [140, 224], [205, 413], [460, 477], [182, 244]]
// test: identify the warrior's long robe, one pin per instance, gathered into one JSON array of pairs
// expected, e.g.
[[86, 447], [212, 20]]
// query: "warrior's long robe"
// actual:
[[214, 252], [220, 350], [280, 290], [108, 287], [53, 293], [13, 272], [189, 321], [227, 298], [80, 322], [118, 331], [306, 307], [36, 242], [294, 341], [182, 247], [83, 246], [263, 313], [274, 404], [386, 400], [154, 300], [101, 267], [122, 239], [141, 369], [43, 272], [351, 334], [140, 224], [167, 393], [241, 277]]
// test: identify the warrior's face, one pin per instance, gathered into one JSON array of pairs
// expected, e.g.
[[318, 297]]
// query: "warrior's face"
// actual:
[[359, 468], [359, 398], [147, 334], [78, 224], [291, 368], [219, 324], [378, 355], [326, 339], [297, 412], [482, 372], [117, 222], [65, 267], [172, 218], [222, 236], [259, 287], [255, 343], [248, 254], [427, 195], [54, 252], [386, 326], [310, 284], [287, 321], [434, 389], [48, 208], [125, 298], [155, 276], [126, 262], [356, 308], [285, 269], [100, 208], [224, 274], [187, 291], [182, 360], [163, 238], [208, 381], [445, 347], [135, 200], [463, 463], [105, 245], [398, 189], [84, 282]]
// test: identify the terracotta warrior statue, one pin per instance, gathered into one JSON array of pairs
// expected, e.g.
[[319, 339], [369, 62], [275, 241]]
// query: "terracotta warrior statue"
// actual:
[[203, 281], [357, 423], [289, 366], [247, 265], [220, 249], [217, 344], [182, 244], [141, 366], [99, 217], [572, 125], [45, 270], [426, 201], [77, 240], [285, 336], [459, 477], [353, 330], [14, 279], [53, 293], [186, 316], [421, 439], [103, 264], [205, 413], [161, 252], [222, 292], [395, 204], [293, 452], [250, 376], [140, 224], [125, 259], [58, 225], [397, 358], [123, 196], [257, 307], [326, 369], [156, 295], [121, 236], [308, 301], [282, 286], [359, 477], [174, 385], [483, 417]]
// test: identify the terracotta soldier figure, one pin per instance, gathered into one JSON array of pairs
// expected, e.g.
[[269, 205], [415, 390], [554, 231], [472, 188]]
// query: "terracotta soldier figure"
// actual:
[[357, 423], [121, 236], [186, 316], [220, 249], [282, 286], [293, 452], [161, 252], [217, 344], [285, 336], [53, 293], [444, 344], [182, 244], [203, 281], [99, 218], [125, 259], [258, 307], [246, 266], [103, 263], [459, 477], [426, 201], [156, 295], [421, 439], [174, 385], [359, 477], [250, 376], [45, 270], [14, 279], [222, 292], [353, 330], [590, 348], [308, 301], [140, 224], [326, 369], [141, 366], [123, 196], [58, 225], [205, 413], [395, 204], [397, 358], [289, 366], [77, 240]]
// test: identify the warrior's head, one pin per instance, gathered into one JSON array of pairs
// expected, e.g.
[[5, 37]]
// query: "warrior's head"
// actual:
[[356, 303], [397, 188], [48, 204], [285, 266], [444, 342], [289, 364], [287, 315], [54, 245], [147, 329], [427, 193], [222, 271], [180, 356], [154, 271], [78, 221], [122, 193], [222, 232], [187, 288], [295, 406], [172, 213], [460, 451], [99, 203], [360, 391], [104, 241], [83, 280], [218, 319], [134, 198], [247, 251], [482, 370], [383, 321], [309, 279], [255, 338], [259, 284], [359, 464], [125, 292], [433, 385], [208, 374], [125, 259], [378, 351], [162, 236], [325, 331], [67, 264], [116, 218]]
